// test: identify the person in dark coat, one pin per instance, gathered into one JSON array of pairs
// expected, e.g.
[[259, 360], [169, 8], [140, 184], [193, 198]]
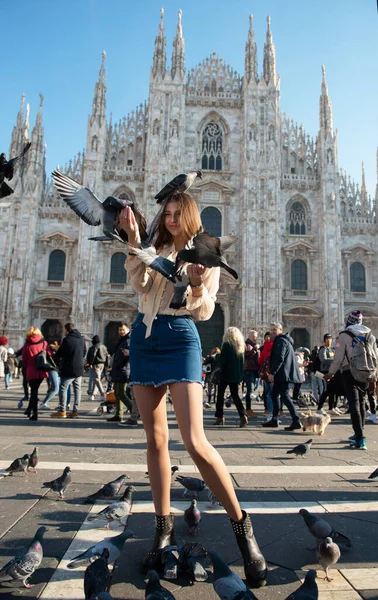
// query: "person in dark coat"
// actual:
[[70, 357], [120, 373], [96, 359], [251, 368], [34, 344], [283, 370]]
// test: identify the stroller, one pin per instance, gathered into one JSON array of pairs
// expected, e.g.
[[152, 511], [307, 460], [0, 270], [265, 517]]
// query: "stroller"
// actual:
[[110, 402]]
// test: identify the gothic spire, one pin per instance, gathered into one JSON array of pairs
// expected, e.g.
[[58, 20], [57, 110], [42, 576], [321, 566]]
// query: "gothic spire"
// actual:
[[269, 57], [37, 150], [99, 98], [364, 194], [325, 105], [178, 58], [250, 68], [18, 131], [159, 64]]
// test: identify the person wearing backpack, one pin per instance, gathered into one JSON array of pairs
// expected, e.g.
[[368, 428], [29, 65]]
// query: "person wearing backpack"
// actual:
[[357, 356]]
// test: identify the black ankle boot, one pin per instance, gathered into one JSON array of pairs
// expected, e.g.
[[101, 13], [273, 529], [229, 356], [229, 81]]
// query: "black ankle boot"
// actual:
[[164, 536], [255, 568]]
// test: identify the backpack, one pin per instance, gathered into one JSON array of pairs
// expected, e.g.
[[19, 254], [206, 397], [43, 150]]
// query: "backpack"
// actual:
[[363, 362]]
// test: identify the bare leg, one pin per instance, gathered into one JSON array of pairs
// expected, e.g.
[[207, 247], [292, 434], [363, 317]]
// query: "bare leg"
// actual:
[[187, 403], [152, 408]]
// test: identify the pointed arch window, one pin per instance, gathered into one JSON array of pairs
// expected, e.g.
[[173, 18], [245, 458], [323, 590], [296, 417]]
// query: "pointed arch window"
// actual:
[[212, 147], [211, 219], [297, 219], [117, 269], [298, 275], [57, 266], [357, 277]]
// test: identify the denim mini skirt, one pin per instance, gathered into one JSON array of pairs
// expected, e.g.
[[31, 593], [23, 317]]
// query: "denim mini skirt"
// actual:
[[171, 354]]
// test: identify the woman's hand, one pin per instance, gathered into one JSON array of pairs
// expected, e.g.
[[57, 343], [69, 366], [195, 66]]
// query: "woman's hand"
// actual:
[[195, 273], [127, 222]]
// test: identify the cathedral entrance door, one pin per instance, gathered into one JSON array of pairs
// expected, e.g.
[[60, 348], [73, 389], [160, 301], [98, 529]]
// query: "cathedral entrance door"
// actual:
[[52, 331], [301, 338], [211, 331], [111, 335]]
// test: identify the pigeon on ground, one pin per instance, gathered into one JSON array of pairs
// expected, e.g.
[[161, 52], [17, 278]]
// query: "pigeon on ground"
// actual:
[[180, 183], [33, 460], [192, 517], [23, 566], [191, 484], [108, 491], [192, 559], [308, 590], [7, 170], [320, 529], [154, 590], [173, 471], [94, 212], [374, 474], [301, 449], [207, 250], [226, 583], [113, 544], [97, 576], [61, 483], [170, 562], [328, 554], [117, 511], [18, 465], [212, 499]]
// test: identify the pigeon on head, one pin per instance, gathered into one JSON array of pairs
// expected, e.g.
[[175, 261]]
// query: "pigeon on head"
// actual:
[[181, 183]]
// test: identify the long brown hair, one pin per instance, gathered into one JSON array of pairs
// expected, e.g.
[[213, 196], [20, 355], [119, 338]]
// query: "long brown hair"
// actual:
[[190, 220]]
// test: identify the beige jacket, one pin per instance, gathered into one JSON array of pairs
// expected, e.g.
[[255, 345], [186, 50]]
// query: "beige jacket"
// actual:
[[343, 349], [157, 292]]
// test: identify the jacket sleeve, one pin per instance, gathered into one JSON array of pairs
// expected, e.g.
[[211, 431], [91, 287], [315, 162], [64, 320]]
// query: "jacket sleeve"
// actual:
[[340, 353], [278, 357], [201, 307], [141, 277]]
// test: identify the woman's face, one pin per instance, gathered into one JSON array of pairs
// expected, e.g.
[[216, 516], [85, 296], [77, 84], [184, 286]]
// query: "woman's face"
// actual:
[[172, 216]]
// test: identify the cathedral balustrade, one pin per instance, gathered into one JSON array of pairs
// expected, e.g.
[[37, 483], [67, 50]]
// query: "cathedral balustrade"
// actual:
[[296, 181], [307, 295]]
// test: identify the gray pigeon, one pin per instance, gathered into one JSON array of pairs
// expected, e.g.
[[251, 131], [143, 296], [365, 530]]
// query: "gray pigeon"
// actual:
[[320, 529], [328, 554], [212, 499], [191, 484], [192, 559], [18, 465], [374, 474], [179, 184], [192, 517], [108, 491], [169, 560], [97, 576], [33, 460], [308, 590], [207, 250], [117, 511], [226, 583], [113, 544], [61, 483], [154, 590], [23, 566], [301, 449]]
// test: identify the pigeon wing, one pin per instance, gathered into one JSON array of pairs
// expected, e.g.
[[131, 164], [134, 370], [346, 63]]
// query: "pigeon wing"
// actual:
[[171, 187], [80, 199], [226, 241]]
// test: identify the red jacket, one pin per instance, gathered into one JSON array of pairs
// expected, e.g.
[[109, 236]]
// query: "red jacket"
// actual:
[[33, 346], [265, 352]]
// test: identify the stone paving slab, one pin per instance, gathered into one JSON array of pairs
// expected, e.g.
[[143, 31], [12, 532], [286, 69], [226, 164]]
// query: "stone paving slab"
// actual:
[[362, 579]]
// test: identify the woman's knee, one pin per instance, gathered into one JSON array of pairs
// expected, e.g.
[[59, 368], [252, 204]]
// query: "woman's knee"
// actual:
[[157, 440], [198, 449]]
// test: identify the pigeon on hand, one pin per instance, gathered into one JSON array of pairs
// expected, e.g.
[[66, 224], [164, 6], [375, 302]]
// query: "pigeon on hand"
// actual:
[[207, 250], [94, 212], [192, 484], [61, 483], [154, 590], [192, 517], [108, 491], [301, 449], [7, 170], [18, 465], [328, 554], [162, 265], [117, 511], [169, 560], [180, 183], [33, 460], [374, 474], [113, 544], [227, 584], [192, 558], [97, 576], [320, 529], [308, 590], [23, 566]]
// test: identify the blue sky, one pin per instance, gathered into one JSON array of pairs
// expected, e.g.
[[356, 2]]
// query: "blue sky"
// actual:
[[54, 47]]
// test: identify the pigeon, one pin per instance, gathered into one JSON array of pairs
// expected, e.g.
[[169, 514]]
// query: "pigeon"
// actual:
[[113, 544], [191, 484], [154, 590], [61, 483], [207, 250], [103, 596], [301, 449], [18, 465], [212, 499], [320, 529], [162, 265], [94, 212], [308, 590], [180, 183], [109, 490], [23, 566], [97, 576], [192, 517], [33, 460], [226, 583], [192, 559], [7, 170], [328, 554], [169, 560], [374, 474], [117, 511], [173, 470]]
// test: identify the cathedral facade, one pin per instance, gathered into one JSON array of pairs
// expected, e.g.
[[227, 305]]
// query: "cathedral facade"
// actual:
[[307, 250]]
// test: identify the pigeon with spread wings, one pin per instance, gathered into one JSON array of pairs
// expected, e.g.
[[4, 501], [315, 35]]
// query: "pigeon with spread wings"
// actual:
[[7, 170]]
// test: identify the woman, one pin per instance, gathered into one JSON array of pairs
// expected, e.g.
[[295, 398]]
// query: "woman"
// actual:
[[34, 344], [3, 354], [264, 363], [54, 379], [210, 365], [302, 364], [165, 350], [231, 362]]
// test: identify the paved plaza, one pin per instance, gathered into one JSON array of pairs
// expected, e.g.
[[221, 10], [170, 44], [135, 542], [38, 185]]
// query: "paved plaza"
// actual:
[[271, 485]]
